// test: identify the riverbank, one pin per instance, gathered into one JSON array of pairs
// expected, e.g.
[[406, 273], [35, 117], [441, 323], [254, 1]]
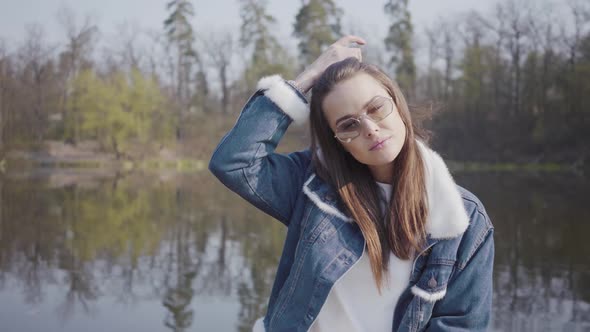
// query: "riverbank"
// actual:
[[193, 157]]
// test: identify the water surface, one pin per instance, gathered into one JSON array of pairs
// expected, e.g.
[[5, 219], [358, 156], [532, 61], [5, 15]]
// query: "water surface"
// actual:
[[174, 252]]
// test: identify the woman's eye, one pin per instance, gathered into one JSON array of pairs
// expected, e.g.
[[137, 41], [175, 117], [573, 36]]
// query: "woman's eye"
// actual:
[[373, 110], [349, 126]]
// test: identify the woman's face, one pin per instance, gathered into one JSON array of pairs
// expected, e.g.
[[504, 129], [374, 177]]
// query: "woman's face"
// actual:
[[377, 144]]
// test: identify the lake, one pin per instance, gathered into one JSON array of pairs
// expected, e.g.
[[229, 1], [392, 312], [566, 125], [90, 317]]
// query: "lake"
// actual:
[[165, 251]]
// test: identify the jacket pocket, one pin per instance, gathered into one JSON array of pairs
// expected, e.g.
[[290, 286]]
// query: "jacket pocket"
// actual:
[[317, 224], [430, 287], [432, 283]]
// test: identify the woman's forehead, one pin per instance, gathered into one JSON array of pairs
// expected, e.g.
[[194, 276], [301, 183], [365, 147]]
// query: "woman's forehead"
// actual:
[[349, 96]]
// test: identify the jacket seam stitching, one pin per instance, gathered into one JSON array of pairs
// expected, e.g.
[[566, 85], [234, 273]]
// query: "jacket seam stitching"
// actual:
[[299, 267], [476, 247], [260, 197], [224, 138], [479, 210], [442, 261], [260, 145], [305, 221], [319, 281]]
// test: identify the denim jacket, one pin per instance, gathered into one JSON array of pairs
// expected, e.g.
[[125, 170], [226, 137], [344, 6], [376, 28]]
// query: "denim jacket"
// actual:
[[450, 286]]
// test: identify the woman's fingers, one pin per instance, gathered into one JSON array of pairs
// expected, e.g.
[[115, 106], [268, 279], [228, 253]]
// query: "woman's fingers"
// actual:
[[338, 51], [345, 43], [349, 39]]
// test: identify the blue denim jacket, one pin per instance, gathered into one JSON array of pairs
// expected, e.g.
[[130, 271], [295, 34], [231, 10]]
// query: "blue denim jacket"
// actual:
[[450, 286]]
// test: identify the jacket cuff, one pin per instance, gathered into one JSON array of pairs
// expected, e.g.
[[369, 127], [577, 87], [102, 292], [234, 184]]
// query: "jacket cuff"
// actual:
[[285, 97]]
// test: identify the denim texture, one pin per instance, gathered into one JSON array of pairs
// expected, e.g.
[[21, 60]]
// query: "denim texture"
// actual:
[[450, 286]]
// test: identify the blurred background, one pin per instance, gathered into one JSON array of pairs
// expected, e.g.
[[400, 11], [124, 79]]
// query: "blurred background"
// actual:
[[110, 110]]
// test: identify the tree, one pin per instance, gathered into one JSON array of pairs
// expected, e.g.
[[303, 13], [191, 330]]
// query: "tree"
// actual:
[[543, 42], [127, 52], [474, 67], [38, 71], [76, 56], [442, 47], [399, 42], [512, 25], [181, 38], [119, 109], [580, 17], [219, 48], [4, 79], [267, 56], [317, 25]]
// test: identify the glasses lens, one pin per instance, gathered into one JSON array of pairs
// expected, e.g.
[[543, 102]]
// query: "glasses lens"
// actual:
[[380, 108], [348, 126], [347, 129]]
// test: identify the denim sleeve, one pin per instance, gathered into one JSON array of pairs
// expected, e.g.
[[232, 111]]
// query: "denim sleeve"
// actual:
[[245, 160], [467, 304]]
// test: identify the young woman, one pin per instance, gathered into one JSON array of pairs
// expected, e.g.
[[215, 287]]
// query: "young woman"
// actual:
[[379, 237]]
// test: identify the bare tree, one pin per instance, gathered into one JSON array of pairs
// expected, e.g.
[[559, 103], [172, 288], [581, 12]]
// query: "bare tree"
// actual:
[[36, 57], [155, 54], [441, 41], [4, 67], [219, 48], [128, 51], [81, 39], [544, 39], [580, 20], [511, 23]]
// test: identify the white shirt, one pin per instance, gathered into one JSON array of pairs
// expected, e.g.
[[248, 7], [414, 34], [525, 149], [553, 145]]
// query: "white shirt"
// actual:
[[354, 304]]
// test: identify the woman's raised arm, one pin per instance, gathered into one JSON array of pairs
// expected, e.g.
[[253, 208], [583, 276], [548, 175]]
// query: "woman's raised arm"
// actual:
[[245, 160]]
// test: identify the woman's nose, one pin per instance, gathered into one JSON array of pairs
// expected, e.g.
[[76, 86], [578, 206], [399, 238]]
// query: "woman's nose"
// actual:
[[368, 126]]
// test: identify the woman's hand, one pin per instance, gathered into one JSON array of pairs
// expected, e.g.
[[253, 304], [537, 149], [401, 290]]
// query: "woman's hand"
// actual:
[[338, 51]]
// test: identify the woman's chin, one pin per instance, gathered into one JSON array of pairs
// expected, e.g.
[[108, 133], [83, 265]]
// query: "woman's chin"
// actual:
[[382, 159]]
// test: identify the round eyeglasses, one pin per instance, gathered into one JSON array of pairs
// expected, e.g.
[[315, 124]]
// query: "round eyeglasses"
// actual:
[[350, 128]]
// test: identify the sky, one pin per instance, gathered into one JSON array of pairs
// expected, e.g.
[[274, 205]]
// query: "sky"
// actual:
[[220, 15], [216, 15]]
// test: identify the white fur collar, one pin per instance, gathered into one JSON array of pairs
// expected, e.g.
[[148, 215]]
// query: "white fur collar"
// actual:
[[447, 217]]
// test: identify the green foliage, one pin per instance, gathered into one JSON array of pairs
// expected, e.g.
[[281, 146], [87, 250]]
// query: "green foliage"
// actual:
[[268, 56], [317, 25], [181, 38], [177, 25], [399, 42], [120, 109], [474, 69]]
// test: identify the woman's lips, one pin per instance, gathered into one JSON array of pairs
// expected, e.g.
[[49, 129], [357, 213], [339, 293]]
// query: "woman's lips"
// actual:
[[379, 145]]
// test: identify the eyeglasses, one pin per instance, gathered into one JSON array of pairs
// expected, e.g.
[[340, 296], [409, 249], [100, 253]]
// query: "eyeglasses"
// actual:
[[378, 109]]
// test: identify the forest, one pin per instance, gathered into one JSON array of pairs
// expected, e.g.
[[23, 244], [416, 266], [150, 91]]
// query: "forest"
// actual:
[[509, 85]]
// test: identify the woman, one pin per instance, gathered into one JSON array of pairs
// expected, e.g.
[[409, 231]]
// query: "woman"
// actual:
[[379, 236]]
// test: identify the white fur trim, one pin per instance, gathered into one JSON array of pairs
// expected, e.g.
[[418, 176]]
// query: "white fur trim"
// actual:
[[430, 297], [258, 325], [277, 90], [320, 204], [447, 217]]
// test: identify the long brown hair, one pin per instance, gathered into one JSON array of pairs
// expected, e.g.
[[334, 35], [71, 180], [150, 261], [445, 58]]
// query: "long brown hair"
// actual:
[[401, 229]]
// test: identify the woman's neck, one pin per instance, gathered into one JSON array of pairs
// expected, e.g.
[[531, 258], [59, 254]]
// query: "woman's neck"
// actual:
[[382, 173]]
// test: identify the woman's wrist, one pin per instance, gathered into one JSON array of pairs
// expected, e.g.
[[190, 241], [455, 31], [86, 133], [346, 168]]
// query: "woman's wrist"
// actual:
[[295, 86], [304, 82]]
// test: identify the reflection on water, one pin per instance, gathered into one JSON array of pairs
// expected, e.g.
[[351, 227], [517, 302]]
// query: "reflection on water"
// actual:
[[180, 252], [542, 270]]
